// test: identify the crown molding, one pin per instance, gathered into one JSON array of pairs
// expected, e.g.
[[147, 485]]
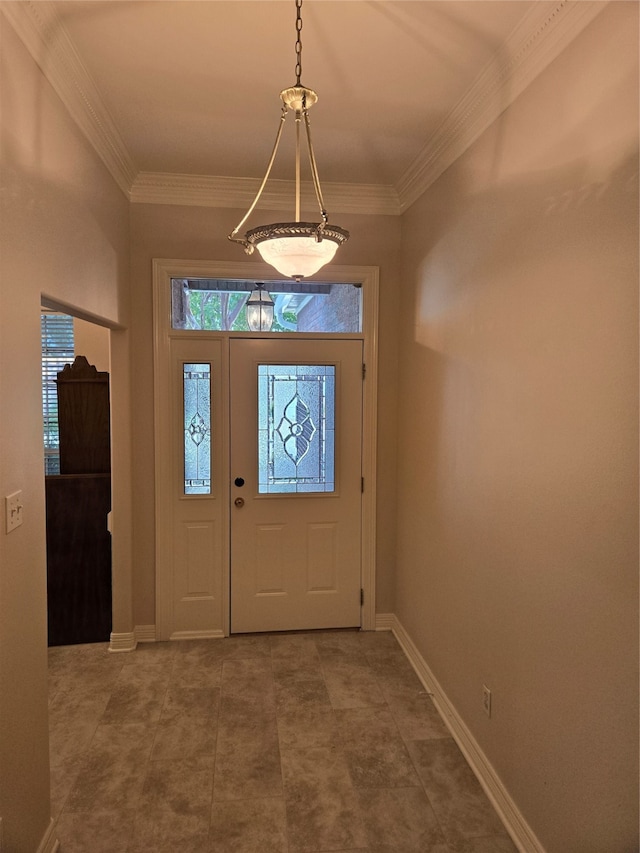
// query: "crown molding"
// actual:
[[212, 191], [542, 34], [45, 37]]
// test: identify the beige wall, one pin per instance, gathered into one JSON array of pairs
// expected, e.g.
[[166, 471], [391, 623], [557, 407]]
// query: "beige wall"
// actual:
[[518, 434], [64, 234], [92, 341], [197, 233], [516, 429]]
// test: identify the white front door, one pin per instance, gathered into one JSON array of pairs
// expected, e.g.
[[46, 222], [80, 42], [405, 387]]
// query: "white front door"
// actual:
[[295, 484]]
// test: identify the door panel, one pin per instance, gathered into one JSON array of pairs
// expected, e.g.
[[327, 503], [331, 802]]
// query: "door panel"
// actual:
[[199, 489], [296, 438]]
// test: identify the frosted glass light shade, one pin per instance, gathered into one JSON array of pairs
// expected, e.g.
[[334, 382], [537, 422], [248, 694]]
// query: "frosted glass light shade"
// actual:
[[297, 257], [294, 248]]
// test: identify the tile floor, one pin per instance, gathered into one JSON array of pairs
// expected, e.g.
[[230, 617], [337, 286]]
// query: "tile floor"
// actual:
[[281, 743]]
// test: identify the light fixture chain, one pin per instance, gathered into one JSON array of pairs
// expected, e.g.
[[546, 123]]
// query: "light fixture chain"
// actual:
[[296, 249], [298, 41]]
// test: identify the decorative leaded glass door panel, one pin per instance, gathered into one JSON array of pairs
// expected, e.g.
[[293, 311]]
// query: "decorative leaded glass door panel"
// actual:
[[296, 432], [198, 533]]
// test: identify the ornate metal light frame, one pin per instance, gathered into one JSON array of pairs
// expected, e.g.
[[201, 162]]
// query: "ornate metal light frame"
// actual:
[[296, 249], [259, 309]]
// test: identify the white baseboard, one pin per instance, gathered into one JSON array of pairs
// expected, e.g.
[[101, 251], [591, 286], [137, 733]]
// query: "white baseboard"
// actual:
[[49, 843], [125, 642], [197, 635], [385, 621], [521, 833], [145, 633]]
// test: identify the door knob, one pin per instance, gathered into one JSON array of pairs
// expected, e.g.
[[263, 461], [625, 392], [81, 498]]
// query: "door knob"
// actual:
[[239, 502]]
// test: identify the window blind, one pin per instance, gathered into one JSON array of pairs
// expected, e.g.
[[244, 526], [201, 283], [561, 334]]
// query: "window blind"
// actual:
[[57, 350]]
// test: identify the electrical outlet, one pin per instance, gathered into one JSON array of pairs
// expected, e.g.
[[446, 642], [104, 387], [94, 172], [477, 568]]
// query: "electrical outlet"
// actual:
[[486, 700], [13, 511]]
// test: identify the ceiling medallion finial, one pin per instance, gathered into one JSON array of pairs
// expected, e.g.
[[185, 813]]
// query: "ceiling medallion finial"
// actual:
[[296, 249]]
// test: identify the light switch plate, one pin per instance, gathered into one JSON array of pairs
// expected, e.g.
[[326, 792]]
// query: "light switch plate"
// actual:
[[13, 509]]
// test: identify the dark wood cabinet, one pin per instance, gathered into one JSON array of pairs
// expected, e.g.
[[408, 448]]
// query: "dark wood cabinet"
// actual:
[[78, 502], [78, 558], [83, 417]]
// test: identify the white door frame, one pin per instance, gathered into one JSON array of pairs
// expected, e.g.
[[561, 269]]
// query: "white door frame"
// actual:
[[163, 271]]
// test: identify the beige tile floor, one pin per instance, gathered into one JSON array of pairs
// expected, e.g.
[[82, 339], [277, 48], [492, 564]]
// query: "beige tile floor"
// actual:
[[281, 743]]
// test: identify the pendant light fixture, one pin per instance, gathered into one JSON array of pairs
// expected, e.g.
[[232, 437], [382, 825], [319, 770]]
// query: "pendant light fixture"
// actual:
[[296, 249], [259, 309]]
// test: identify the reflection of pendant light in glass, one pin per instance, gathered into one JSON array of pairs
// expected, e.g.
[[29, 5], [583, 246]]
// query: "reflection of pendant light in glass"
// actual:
[[260, 310], [296, 249]]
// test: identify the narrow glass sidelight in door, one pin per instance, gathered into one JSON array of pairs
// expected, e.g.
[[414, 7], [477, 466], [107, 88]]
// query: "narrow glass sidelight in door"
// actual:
[[296, 433], [194, 546]]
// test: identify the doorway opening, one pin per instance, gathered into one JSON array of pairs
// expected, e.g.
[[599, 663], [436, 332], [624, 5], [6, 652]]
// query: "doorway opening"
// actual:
[[77, 468]]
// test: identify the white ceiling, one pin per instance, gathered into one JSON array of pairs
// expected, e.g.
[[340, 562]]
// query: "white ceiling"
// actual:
[[190, 88], [194, 86]]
